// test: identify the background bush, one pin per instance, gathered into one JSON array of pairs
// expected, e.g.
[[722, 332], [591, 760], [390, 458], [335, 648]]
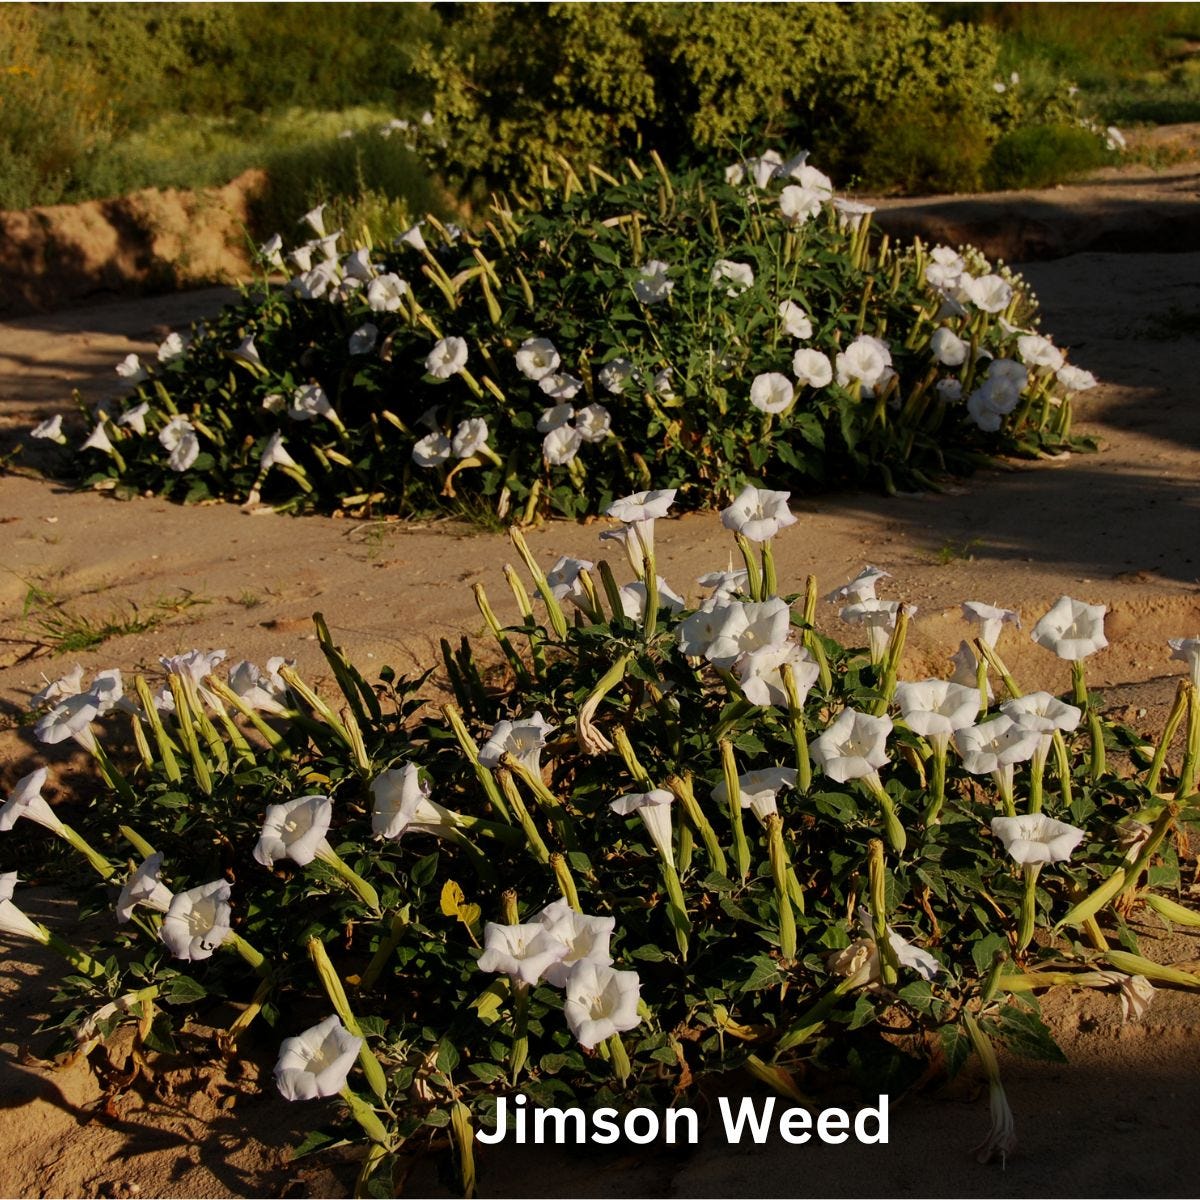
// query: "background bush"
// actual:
[[596, 82], [1039, 155], [890, 97]]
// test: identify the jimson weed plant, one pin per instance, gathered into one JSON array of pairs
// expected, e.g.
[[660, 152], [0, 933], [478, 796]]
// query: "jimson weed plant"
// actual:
[[656, 836], [709, 331]]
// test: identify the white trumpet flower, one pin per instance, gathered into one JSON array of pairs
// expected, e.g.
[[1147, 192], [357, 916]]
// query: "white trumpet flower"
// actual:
[[315, 1063], [198, 921]]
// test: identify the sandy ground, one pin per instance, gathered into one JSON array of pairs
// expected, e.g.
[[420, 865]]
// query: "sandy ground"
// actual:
[[1119, 527]]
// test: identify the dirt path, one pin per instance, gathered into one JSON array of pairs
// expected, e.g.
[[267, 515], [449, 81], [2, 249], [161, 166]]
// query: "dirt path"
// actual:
[[1119, 527]]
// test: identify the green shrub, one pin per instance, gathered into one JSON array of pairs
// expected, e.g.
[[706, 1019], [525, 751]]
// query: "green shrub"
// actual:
[[372, 183], [513, 86], [1040, 155], [661, 370], [723, 847], [51, 116], [919, 149]]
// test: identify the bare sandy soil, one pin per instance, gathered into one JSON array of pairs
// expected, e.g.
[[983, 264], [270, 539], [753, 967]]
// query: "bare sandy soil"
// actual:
[[1119, 527], [151, 240]]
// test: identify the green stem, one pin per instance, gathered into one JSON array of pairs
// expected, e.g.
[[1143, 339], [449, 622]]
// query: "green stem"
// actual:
[[187, 734], [485, 777], [812, 643], [1096, 729], [1037, 771], [566, 881], [650, 578], [1181, 704], [255, 958], [520, 1043], [97, 861], [366, 1116], [136, 840], [114, 778], [1078, 684], [1062, 766], [796, 728], [534, 839], [937, 782], [741, 848], [676, 905], [889, 966], [510, 651], [683, 854], [1191, 750], [753, 575], [1028, 907], [83, 963], [365, 892], [896, 837], [1158, 832], [1003, 778], [564, 823], [341, 1005], [981, 682], [273, 739], [779, 872], [479, 861], [994, 661], [557, 617], [681, 787], [770, 582]]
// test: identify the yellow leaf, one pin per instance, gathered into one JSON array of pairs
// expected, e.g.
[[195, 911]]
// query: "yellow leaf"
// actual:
[[452, 898], [488, 1002]]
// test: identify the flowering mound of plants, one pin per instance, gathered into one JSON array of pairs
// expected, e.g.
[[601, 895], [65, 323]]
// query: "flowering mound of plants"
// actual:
[[719, 331], [670, 841]]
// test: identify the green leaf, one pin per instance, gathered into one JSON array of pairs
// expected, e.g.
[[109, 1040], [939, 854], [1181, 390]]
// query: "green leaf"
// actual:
[[648, 953], [984, 950], [1025, 1033], [864, 1012], [919, 994], [180, 989], [424, 870], [373, 1026], [314, 1140], [955, 1043], [766, 973], [159, 1037], [448, 1056], [487, 1072], [604, 253]]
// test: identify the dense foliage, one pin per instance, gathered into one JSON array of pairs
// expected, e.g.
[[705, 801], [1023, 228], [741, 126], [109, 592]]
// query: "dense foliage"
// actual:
[[885, 93], [895, 96], [705, 331], [858, 908]]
